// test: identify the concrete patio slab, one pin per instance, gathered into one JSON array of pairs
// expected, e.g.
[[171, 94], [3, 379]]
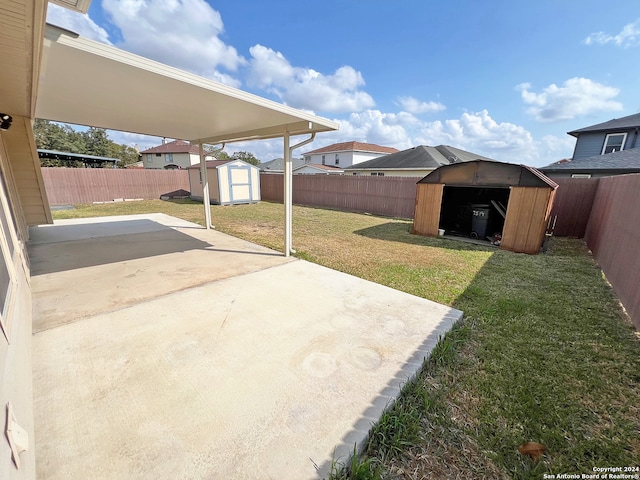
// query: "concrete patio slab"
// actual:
[[267, 368]]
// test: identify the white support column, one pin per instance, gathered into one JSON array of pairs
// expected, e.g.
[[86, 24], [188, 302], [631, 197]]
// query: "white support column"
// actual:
[[205, 187], [288, 200]]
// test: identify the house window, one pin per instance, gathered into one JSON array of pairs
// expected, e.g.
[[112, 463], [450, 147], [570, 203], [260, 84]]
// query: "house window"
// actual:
[[149, 158], [168, 157], [580, 175], [323, 161], [377, 174], [614, 142], [337, 159], [158, 154]]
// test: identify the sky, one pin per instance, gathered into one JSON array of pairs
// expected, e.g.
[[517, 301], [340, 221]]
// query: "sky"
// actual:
[[502, 78]]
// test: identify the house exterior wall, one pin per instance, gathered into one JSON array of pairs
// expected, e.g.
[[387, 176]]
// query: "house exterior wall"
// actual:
[[591, 173], [346, 158], [311, 170], [590, 144], [389, 172], [15, 344], [25, 165], [183, 160]]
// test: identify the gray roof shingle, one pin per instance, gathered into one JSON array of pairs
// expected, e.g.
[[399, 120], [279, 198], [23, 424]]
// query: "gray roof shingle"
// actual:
[[627, 160], [624, 123], [421, 157]]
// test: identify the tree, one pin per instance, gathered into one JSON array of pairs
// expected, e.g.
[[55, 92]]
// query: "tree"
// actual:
[[94, 141], [246, 157]]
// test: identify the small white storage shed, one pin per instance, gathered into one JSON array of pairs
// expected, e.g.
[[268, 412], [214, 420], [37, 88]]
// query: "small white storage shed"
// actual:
[[230, 182]]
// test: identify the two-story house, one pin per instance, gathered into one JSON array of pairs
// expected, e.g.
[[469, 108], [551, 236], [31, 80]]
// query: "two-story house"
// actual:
[[172, 155], [608, 148], [346, 154]]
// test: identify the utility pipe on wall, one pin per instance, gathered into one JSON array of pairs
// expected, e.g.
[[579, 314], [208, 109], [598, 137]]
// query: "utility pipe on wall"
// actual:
[[204, 175], [288, 190]]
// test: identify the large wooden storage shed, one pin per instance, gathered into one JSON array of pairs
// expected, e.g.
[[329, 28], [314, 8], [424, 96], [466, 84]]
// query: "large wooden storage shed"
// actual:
[[484, 199], [230, 182]]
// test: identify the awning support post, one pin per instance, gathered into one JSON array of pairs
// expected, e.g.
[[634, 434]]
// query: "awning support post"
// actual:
[[287, 196], [205, 187], [288, 190]]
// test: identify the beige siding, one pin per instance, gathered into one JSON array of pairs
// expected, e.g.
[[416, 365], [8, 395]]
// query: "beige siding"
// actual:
[[25, 164], [15, 344]]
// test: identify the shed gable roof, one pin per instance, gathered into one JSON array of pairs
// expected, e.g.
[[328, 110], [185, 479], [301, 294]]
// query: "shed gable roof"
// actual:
[[624, 123], [483, 173], [353, 147]]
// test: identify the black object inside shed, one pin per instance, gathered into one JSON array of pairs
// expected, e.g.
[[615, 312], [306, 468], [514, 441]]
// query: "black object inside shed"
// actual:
[[476, 212]]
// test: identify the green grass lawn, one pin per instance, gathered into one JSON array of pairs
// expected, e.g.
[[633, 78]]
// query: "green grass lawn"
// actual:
[[544, 352]]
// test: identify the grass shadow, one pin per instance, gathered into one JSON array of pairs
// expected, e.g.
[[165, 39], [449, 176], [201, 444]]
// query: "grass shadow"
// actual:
[[543, 354], [400, 231]]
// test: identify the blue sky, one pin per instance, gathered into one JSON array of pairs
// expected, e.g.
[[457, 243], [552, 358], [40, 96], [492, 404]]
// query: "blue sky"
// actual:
[[505, 79]]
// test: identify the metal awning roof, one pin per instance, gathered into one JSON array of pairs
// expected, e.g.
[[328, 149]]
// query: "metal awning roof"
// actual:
[[88, 83]]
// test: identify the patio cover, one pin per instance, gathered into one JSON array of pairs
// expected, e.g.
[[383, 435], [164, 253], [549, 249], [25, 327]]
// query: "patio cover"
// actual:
[[89, 83]]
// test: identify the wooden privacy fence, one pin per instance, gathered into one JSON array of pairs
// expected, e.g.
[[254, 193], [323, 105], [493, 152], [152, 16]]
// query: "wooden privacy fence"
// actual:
[[388, 196], [613, 235], [87, 185], [572, 205]]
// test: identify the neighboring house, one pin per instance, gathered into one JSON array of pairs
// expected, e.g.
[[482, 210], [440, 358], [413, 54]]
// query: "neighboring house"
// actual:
[[413, 162], [277, 165], [600, 150], [313, 169], [617, 163], [345, 154], [608, 137], [172, 155], [230, 182]]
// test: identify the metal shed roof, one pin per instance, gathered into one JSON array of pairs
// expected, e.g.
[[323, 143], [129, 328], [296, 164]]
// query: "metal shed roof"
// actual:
[[483, 173]]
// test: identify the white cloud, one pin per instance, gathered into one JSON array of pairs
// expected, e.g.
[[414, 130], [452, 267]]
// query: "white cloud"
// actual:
[[576, 97], [479, 133], [181, 33], [415, 106], [629, 36], [76, 22], [306, 88]]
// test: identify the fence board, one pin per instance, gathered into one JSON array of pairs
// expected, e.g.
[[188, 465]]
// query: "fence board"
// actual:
[[388, 196], [572, 205], [613, 235], [86, 185]]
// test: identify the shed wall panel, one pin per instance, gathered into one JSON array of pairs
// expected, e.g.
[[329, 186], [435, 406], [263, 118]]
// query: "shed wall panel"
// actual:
[[427, 212], [525, 224]]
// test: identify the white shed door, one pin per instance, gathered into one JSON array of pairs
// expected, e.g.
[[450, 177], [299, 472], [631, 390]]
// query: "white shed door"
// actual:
[[240, 183]]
